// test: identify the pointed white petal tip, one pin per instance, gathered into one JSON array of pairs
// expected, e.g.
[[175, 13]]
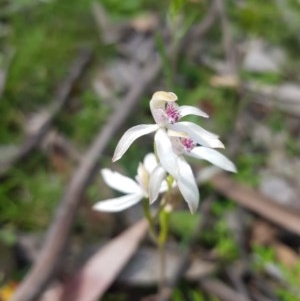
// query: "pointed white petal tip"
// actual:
[[214, 157], [187, 185], [192, 208], [190, 110], [214, 143], [152, 199], [115, 158], [217, 144], [164, 96], [118, 204], [232, 168]]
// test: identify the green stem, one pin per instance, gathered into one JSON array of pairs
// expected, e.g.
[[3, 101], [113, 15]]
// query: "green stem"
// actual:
[[162, 238], [162, 266], [151, 220], [164, 226], [163, 216]]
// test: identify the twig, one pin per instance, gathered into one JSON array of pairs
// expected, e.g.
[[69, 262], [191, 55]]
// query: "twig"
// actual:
[[261, 286], [284, 97], [195, 33], [166, 293], [235, 275], [5, 69], [219, 289], [61, 98], [228, 44], [48, 260], [110, 33], [202, 28], [259, 297], [289, 17]]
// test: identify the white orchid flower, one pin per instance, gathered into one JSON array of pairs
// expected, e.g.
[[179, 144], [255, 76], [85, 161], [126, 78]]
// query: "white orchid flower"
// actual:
[[134, 191], [167, 114], [183, 145], [185, 181]]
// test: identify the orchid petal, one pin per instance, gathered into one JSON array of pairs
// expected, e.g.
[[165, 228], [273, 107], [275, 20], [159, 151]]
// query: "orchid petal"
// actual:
[[119, 182], [150, 162], [198, 134], [156, 179], [189, 110], [164, 96], [130, 136], [118, 204], [186, 125], [160, 98], [187, 184], [142, 178], [165, 152], [213, 157], [172, 133], [164, 186]]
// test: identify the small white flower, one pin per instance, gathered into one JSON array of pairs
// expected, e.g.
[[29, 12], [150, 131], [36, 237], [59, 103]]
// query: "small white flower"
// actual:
[[134, 191], [187, 146], [183, 145], [167, 114]]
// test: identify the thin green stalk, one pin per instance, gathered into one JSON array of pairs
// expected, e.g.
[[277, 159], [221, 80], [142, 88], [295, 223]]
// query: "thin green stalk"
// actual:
[[162, 266], [151, 220], [162, 238]]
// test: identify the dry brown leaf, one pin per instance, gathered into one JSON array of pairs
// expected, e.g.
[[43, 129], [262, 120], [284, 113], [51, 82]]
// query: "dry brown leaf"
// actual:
[[258, 203], [286, 255], [263, 233], [92, 281], [145, 22], [225, 81]]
